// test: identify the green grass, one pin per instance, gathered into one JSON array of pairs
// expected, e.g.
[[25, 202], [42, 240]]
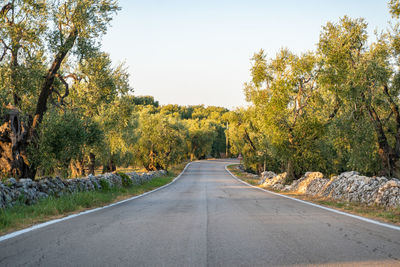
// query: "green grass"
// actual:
[[391, 215], [21, 216]]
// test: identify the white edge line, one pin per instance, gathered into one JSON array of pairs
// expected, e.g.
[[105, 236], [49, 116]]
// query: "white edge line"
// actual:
[[41, 225], [319, 206]]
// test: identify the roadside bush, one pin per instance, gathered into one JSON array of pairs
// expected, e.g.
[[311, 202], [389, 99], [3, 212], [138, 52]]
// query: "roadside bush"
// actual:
[[105, 185], [126, 180]]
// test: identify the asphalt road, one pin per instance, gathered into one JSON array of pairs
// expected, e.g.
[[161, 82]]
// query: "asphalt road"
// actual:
[[206, 218]]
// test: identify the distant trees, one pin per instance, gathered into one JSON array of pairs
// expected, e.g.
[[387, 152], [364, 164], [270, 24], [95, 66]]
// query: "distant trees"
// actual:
[[161, 141], [202, 134], [246, 137], [172, 133]]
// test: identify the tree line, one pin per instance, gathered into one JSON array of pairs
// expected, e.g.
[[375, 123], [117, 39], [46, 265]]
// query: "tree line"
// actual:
[[129, 131], [66, 109], [332, 109]]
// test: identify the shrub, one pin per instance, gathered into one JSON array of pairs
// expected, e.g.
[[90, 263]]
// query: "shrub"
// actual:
[[126, 180], [105, 184]]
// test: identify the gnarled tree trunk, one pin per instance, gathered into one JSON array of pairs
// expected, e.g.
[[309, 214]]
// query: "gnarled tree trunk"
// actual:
[[390, 156], [109, 167], [77, 167], [15, 136], [92, 163], [13, 145]]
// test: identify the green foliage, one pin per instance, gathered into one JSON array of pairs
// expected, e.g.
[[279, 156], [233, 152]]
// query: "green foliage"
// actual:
[[61, 138], [32, 32], [283, 92], [330, 110], [98, 83], [145, 101], [363, 79], [202, 134], [126, 180], [105, 184], [394, 8], [119, 122], [161, 141], [219, 142], [50, 55]]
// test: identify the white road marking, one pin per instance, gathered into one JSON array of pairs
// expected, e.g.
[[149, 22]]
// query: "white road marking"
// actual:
[[319, 206], [37, 226]]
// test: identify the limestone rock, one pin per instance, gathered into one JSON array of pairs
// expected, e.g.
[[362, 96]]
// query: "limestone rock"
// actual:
[[389, 194], [348, 186], [278, 179], [266, 175], [310, 183]]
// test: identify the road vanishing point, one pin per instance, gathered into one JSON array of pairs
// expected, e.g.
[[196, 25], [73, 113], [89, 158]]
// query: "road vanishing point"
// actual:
[[206, 218]]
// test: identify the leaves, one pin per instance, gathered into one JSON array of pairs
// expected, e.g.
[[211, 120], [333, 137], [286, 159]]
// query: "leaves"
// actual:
[[330, 110]]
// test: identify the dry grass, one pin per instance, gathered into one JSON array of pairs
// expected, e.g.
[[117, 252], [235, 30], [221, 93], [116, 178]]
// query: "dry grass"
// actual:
[[390, 215], [99, 170], [247, 177]]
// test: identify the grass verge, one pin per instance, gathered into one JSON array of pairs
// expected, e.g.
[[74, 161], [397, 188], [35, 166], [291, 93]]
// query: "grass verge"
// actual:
[[22, 216], [247, 177], [391, 215]]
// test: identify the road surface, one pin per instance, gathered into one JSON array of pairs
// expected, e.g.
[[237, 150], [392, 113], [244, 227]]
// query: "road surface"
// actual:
[[206, 218]]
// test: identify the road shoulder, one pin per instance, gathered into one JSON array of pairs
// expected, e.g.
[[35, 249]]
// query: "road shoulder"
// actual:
[[41, 222], [315, 202]]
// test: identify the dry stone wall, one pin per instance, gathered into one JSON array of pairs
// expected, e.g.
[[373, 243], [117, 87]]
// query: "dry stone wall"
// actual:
[[348, 186], [29, 192]]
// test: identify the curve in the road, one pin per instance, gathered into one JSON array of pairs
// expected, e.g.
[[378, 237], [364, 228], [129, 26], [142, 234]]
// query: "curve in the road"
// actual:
[[206, 218]]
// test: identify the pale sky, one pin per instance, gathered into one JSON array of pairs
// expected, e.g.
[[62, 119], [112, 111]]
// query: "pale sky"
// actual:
[[198, 52]]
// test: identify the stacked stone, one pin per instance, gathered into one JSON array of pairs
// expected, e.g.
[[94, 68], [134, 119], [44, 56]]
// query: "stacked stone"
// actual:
[[353, 187], [145, 177], [266, 176], [311, 183], [276, 182], [348, 186], [29, 192]]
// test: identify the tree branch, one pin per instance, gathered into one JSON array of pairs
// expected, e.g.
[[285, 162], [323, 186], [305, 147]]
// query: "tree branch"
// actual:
[[5, 45], [3, 55], [45, 92], [72, 76], [335, 110], [380, 132], [66, 88], [5, 10], [249, 139], [6, 48], [385, 120], [56, 104]]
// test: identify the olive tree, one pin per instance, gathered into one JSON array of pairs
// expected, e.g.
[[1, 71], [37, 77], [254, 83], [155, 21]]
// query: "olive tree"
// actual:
[[52, 35]]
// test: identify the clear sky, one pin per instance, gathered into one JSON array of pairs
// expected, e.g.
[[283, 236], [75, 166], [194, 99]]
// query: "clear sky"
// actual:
[[198, 52]]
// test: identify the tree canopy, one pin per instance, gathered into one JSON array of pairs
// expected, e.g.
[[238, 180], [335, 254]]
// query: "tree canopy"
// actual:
[[330, 110], [67, 110]]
